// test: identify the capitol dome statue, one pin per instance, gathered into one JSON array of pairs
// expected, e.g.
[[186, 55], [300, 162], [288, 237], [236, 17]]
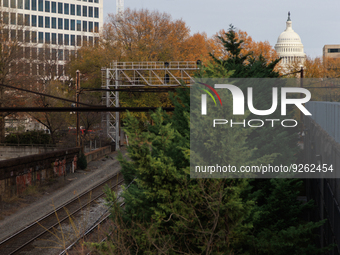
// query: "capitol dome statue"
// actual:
[[289, 46]]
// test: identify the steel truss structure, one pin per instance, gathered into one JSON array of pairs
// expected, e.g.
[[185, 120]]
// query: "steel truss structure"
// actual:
[[140, 74]]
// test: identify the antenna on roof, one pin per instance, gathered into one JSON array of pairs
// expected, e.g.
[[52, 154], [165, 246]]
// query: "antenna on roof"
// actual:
[[120, 8]]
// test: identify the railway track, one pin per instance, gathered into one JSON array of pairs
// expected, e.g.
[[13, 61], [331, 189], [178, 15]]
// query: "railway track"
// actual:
[[22, 241]]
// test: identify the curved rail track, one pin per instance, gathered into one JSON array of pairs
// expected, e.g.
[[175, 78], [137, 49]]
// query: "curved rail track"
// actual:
[[22, 241]]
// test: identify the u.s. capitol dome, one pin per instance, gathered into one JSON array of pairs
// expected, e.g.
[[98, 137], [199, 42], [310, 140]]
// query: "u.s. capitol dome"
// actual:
[[289, 45]]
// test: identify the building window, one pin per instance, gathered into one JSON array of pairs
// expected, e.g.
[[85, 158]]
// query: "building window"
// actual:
[[60, 55], [5, 17], [84, 26], [67, 58], [91, 40], [27, 4], [14, 37], [73, 40], [333, 50], [66, 8], [47, 6], [34, 20], [54, 55], [78, 40], [73, 9], [47, 38], [96, 12], [40, 21], [27, 36], [34, 36], [90, 26], [66, 24], [91, 11], [60, 23], [60, 39], [20, 4], [96, 27], [5, 3], [90, 1], [78, 10], [41, 37], [54, 7], [47, 22], [41, 5], [20, 19], [13, 4], [66, 39], [13, 19], [20, 36], [54, 38], [96, 1], [60, 8], [73, 24], [34, 5], [84, 11], [54, 22], [27, 19], [85, 40], [78, 25]]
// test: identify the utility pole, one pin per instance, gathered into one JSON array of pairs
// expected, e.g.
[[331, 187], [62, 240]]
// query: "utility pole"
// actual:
[[301, 86], [77, 104]]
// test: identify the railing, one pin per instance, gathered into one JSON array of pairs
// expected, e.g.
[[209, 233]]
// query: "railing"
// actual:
[[155, 65], [327, 115]]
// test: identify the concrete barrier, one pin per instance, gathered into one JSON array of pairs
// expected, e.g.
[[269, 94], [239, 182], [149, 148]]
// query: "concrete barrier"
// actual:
[[93, 155], [15, 151]]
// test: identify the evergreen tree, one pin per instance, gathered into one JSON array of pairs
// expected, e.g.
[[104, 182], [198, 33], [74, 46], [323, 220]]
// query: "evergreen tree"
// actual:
[[242, 65], [267, 140], [169, 211]]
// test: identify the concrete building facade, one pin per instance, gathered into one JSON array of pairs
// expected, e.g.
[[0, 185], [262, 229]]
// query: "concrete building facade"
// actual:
[[50, 30], [331, 51]]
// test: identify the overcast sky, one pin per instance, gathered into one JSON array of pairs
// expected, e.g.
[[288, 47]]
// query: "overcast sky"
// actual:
[[317, 22]]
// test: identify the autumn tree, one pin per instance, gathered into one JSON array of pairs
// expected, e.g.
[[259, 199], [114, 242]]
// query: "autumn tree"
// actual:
[[53, 121], [14, 70]]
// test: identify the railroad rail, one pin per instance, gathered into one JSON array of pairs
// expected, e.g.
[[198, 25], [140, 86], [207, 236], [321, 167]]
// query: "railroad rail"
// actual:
[[22, 241]]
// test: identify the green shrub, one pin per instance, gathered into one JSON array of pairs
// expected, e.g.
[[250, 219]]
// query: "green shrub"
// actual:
[[82, 162]]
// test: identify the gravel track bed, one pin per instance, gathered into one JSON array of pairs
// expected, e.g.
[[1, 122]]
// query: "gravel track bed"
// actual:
[[77, 183]]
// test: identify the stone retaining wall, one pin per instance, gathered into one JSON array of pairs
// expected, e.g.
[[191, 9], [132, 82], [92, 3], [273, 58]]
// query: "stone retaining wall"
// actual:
[[16, 174]]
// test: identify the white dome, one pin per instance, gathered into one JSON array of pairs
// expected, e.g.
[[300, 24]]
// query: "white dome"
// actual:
[[289, 45]]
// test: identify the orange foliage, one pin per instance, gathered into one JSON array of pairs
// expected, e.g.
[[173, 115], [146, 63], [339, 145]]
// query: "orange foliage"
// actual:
[[152, 36]]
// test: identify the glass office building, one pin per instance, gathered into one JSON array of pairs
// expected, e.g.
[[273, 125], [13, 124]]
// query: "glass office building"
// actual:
[[50, 31]]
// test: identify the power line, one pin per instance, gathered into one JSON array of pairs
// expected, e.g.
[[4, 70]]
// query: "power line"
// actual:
[[46, 95], [83, 109]]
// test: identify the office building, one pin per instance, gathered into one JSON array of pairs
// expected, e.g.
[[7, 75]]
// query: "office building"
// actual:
[[50, 31]]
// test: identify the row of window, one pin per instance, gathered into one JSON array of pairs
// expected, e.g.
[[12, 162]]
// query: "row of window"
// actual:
[[48, 22], [54, 7], [333, 50], [50, 38], [38, 69], [44, 53]]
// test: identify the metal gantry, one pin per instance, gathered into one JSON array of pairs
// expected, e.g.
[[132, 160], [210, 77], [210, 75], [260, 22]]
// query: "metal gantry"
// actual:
[[140, 74]]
